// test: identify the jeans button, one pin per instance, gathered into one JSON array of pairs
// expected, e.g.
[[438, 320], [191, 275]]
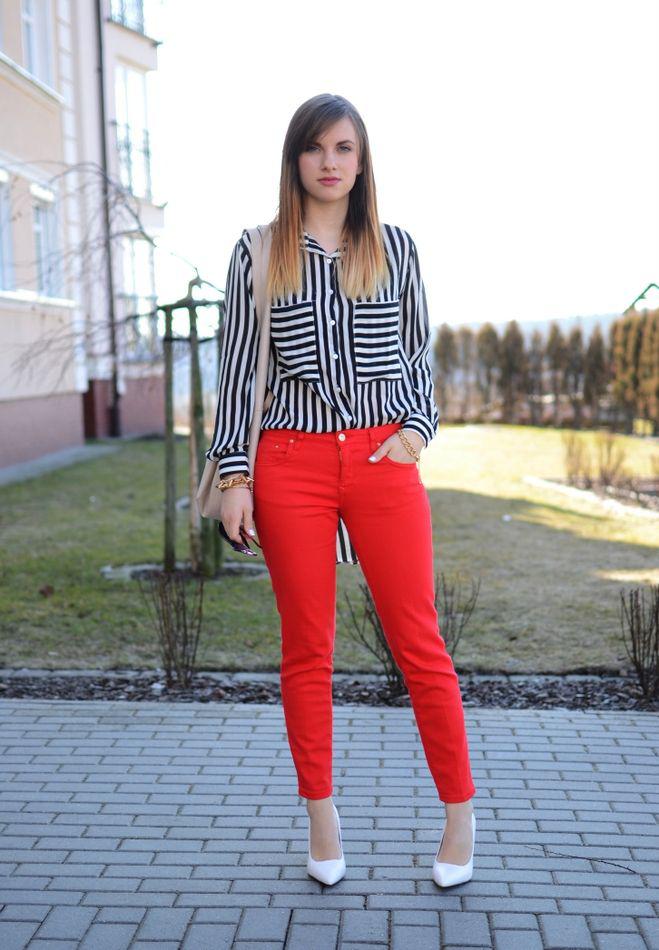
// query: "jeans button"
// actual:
[[342, 436]]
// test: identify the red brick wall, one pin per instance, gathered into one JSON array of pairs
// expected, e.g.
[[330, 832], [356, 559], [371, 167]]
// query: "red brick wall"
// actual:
[[141, 407]]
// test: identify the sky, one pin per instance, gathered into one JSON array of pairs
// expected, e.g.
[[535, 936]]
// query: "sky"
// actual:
[[517, 141]]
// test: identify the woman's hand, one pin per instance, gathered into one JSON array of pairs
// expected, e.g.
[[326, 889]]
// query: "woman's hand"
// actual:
[[236, 508], [394, 448]]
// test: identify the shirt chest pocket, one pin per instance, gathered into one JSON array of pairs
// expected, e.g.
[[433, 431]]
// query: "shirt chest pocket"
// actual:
[[294, 337], [376, 340]]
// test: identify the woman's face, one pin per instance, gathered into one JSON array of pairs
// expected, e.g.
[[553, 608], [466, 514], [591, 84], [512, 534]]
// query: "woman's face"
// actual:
[[335, 157]]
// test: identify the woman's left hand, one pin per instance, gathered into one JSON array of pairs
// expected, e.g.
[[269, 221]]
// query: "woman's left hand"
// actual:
[[394, 448]]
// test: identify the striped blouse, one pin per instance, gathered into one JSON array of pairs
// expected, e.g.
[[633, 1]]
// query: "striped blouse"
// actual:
[[336, 362]]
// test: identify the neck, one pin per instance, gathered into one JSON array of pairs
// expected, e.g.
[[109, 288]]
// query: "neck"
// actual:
[[326, 219]]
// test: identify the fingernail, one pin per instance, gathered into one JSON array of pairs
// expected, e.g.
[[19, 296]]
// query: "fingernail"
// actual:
[[372, 458], [251, 531]]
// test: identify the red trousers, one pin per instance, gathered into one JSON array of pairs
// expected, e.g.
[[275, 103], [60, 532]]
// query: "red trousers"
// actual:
[[302, 483]]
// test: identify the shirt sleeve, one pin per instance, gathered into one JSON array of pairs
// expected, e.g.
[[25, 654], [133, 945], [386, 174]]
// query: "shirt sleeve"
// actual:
[[424, 415], [237, 370]]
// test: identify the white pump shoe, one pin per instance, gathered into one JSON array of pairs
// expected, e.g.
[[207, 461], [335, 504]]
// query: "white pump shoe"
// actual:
[[446, 874], [331, 870]]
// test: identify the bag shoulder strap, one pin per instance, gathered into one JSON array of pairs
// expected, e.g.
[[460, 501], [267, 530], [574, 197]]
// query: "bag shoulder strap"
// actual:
[[260, 242]]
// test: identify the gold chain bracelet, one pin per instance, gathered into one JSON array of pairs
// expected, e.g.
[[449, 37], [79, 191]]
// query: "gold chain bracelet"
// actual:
[[230, 481], [408, 445]]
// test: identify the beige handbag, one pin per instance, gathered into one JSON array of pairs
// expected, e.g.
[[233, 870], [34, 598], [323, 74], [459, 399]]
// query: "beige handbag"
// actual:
[[209, 496]]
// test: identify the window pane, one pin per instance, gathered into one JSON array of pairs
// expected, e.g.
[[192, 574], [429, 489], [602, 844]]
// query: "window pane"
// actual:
[[46, 249], [36, 38], [6, 256]]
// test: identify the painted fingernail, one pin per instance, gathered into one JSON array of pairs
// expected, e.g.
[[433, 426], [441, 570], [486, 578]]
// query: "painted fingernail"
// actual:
[[372, 458], [252, 532]]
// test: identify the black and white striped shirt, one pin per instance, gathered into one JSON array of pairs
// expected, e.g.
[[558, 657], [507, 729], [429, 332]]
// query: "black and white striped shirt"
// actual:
[[336, 362]]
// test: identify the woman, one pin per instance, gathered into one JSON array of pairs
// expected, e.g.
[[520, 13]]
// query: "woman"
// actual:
[[349, 407]]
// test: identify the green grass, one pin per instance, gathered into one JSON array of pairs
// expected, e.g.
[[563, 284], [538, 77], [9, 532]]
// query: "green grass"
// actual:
[[550, 576]]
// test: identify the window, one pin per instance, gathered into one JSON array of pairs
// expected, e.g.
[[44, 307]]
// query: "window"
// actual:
[[46, 245], [129, 13], [132, 131], [139, 297], [6, 255], [35, 15], [143, 16]]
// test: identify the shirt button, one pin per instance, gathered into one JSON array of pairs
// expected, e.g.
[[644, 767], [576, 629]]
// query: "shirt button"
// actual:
[[338, 389], [342, 436], [329, 260], [332, 322]]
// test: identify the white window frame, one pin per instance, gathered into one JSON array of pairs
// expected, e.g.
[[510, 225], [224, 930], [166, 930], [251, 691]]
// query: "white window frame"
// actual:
[[132, 128], [139, 296], [36, 31], [46, 243]]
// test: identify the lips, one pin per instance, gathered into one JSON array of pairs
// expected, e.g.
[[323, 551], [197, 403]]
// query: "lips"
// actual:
[[329, 181]]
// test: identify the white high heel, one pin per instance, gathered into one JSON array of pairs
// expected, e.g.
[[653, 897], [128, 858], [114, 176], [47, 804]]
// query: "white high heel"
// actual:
[[446, 874], [332, 869]]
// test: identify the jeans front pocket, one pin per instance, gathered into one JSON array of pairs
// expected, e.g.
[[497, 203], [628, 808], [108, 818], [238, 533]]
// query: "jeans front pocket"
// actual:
[[293, 334], [387, 458], [275, 449], [376, 340], [396, 465]]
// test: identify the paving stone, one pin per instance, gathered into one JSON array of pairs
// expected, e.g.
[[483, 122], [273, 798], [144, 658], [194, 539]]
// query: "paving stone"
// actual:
[[264, 923], [304, 936], [466, 928], [365, 925], [514, 922], [650, 930], [25, 912], [120, 915], [170, 922], [620, 942], [64, 923], [15, 934], [209, 937], [421, 938], [108, 937], [517, 940], [565, 930]]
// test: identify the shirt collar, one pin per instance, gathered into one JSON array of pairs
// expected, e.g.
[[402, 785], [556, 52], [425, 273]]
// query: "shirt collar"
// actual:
[[312, 244]]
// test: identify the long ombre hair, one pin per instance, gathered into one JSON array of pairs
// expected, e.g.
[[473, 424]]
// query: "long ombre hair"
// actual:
[[362, 265]]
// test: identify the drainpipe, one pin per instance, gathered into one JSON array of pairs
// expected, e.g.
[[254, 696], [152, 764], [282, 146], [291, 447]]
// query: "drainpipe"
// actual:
[[114, 420]]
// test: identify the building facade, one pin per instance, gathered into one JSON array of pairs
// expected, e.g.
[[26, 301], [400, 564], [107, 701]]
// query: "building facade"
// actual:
[[78, 210]]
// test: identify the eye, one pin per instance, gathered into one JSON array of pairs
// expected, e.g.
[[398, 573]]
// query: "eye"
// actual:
[[347, 148]]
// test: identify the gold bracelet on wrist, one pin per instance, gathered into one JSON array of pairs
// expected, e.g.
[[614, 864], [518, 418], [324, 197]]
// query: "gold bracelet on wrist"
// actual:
[[229, 481], [408, 445]]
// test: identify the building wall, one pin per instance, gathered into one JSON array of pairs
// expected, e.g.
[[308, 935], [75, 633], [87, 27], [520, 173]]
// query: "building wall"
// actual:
[[42, 372], [55, 348], [32, 427]]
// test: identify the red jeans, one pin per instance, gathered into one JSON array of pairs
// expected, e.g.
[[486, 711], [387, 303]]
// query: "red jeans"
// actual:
[[302, 482]]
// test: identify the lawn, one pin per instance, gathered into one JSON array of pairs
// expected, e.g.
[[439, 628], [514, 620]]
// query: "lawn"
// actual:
[[551, 568]]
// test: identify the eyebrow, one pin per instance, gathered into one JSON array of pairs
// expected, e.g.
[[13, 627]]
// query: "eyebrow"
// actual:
[[342, 142]]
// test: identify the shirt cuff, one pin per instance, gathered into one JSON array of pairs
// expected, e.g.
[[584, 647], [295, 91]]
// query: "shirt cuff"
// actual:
[[233, 463], [421, 425]]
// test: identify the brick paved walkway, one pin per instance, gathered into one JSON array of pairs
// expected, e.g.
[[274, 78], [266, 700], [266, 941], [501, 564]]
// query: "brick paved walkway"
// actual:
[[144, 825]]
